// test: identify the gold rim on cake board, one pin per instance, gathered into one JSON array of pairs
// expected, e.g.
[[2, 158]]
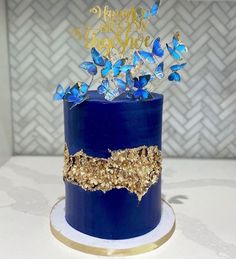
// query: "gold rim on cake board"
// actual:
[[113, 252]]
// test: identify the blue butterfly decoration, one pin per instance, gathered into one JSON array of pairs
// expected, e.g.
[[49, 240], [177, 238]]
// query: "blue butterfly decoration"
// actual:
[[108, 92], [155, 8], [148, 13], [134, 87], [126, 68], [117, 67], [140, 83], [175, 76], [60, 93], [98, 59], [178, 47], [108, 66], [153, 11], [122, 85], [157, 50], [77, 94], [90, 67], [137, 59], [159, 71], [129, 80]]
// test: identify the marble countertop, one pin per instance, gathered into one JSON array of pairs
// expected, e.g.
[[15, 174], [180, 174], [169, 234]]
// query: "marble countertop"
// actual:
[[202, 193]]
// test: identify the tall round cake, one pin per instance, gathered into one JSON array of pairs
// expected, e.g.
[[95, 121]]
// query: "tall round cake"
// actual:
[[113, 162], [112, 169]]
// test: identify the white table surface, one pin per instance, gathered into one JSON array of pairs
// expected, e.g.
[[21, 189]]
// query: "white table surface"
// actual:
[[202, 193]]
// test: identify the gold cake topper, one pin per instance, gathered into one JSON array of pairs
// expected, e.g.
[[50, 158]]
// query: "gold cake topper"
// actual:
[[118, 30]]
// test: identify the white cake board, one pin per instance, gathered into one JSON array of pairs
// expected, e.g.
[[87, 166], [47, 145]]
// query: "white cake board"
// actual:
[[97, 246]]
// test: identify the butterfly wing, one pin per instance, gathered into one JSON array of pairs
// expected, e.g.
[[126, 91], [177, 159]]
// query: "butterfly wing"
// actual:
[[116, 71], [159, 71], [83, 89], [175, 42], [75, 90], [90, 67], [120, 62], [108, 66], [173, 53], [117, 66], [97, 57], [120, 84], [177, 67], [59, 94], [181, 48], [155, 8], [141, 94], [67, 91], [157, 49], [125, 68], [175, 76], [104, 87], [73, 94], [142, 81], [147, 56], [129, 80], [178, 45], [109, 93], [137, 59]]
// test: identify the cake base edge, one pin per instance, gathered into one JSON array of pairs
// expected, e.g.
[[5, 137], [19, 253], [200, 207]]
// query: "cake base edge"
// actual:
[[105, 247]]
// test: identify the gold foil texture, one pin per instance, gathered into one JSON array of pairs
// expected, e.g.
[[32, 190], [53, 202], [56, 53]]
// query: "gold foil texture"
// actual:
[[135, 169]]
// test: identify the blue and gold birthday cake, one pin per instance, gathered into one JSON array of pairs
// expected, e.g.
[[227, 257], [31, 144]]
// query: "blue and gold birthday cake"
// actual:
[[112, 166]]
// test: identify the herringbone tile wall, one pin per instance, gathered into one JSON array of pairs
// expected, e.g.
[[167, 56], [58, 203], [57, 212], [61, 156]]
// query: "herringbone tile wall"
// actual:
[[200, 114]]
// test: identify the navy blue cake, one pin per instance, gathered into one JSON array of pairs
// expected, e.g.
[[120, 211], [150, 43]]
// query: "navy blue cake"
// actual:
[[113, 165]]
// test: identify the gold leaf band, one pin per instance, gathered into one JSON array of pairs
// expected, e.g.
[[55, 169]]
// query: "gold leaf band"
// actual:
[[135, 169]]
